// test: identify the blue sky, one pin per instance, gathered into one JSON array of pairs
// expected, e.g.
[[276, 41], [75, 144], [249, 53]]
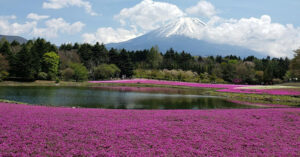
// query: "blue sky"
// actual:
[[63, 21]]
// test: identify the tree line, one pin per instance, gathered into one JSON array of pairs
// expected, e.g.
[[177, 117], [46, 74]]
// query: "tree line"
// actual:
[[42, 60]]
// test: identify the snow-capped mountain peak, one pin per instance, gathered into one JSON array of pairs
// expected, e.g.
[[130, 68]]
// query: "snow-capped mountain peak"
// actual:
[[184, 26], [183, 34]]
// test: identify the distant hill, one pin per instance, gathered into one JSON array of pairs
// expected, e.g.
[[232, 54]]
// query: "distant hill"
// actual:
[[182, 35], [10, 39]]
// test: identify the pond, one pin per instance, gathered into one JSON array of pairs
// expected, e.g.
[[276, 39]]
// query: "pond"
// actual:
[[117, 97]]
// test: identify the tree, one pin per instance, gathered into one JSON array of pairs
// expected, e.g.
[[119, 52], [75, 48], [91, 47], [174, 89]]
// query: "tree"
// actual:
[[67, 74], [268, 73], [50, 64], [24, 66], [4, 66], [169, 60], [85, 52], [100, 54], [125, 64], [295, 65], [80, 72], [37, 51], [106, 71], [154, 58], [114, 57], [5, 49], [259, 76]]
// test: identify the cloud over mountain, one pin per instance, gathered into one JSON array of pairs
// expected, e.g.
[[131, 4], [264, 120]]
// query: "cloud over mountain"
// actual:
[[258, 34], [53, 27]]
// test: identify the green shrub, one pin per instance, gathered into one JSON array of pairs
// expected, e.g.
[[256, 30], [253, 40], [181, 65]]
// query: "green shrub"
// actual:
[[277, 81], [106, 71], [80, 72], [42, 76], [3, 75], [67, 74], [57, 80]]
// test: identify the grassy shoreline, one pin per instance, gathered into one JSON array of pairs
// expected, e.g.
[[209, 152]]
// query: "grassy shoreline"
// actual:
[[253, 98]]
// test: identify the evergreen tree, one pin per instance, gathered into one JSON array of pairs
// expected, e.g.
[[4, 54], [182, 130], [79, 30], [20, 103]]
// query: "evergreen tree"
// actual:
[[295, 65], [25, 63], [154, 58], [125, 64]]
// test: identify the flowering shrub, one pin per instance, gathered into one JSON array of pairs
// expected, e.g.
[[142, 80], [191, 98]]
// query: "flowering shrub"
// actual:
[[222, 87], [53, 131]]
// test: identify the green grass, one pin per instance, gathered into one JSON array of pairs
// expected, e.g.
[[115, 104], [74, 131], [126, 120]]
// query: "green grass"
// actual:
[[13, 102], [261, 98]]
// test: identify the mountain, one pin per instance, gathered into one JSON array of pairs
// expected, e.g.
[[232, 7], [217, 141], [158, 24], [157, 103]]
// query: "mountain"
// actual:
[[183, 34], [10, 39]]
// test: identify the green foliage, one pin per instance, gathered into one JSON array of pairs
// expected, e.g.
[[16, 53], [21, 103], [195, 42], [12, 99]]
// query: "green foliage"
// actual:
[[3, 75], [42, 76], [27, 61], [68, 74], [106, 71], [277, 81], [268, 74], [50, 64], [174, 75], [92, 56], [154, 58], [125, 64], [57, 80], [295, 65], [80, 72], [4, 65], [259, 76]]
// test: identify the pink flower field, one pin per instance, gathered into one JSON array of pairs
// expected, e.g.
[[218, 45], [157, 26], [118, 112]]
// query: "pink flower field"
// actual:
[[221, 87], [55, 131]]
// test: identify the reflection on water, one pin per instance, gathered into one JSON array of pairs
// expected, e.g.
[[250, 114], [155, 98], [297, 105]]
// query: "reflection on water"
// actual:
[[117, 97]]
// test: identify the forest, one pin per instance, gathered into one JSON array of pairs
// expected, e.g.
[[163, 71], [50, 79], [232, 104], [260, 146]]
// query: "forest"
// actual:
[[41, 60]]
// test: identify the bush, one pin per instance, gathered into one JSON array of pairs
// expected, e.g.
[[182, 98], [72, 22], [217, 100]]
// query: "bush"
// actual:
[[57, 80], [106, 71], [3, 75], [80, 72], [219, 80], [174, 75], [277, 81], [42, 76], [67, 74]]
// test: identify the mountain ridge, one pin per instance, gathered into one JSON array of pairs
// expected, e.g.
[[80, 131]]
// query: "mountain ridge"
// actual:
[[11, 38], [183, 34]]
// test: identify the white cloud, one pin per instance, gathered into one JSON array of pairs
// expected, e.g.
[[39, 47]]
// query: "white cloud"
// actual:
[[149, 15], [59, 4], [109, 35], [258, 34], [8, 28], [37, 17], [56, 26], [203, 8]]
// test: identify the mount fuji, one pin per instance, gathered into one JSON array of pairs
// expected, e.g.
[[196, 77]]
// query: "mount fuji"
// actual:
[[184, 34]]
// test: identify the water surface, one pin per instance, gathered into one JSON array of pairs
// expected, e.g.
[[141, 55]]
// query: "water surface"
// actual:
[[117, 97]]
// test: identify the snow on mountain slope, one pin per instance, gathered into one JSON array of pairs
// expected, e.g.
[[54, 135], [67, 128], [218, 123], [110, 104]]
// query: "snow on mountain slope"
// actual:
[[183, 34], [189, 27]]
